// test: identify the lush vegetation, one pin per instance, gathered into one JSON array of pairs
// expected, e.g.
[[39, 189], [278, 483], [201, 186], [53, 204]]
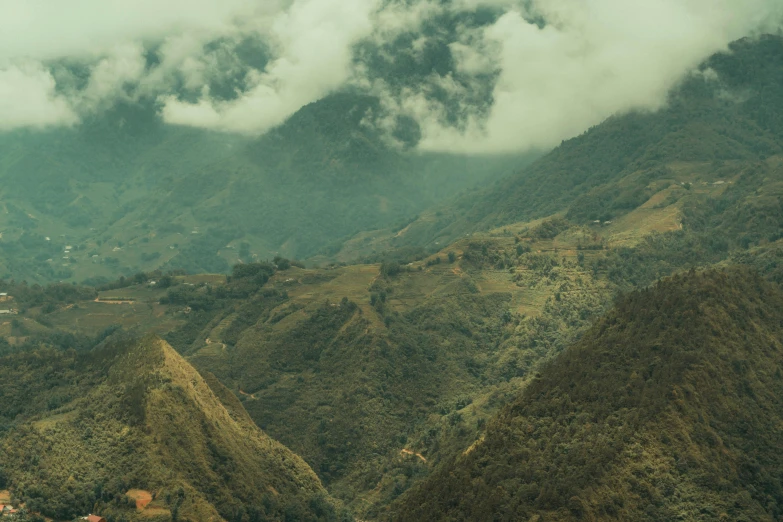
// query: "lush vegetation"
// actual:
[[81, 431], [123, 193], [667, 408], [420, 363], [615, 167]]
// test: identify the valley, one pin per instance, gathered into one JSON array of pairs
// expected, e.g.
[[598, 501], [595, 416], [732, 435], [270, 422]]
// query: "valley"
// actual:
[[595, 335]]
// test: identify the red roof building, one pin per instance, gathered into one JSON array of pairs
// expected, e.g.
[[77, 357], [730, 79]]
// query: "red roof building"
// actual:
[[95, 518]]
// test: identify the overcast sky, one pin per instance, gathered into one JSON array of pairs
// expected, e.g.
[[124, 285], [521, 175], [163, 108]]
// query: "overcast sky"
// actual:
[[61, 61]]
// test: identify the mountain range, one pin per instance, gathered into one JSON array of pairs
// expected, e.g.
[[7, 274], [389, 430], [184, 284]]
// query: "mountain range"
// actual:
[[124, 193], [593, 336]]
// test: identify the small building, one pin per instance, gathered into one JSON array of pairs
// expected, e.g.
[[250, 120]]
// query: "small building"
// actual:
[[3, 294], [94, 518], [6, 312]]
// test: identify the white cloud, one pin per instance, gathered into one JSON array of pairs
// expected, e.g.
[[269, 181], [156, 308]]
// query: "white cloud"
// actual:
[[593, 59], [28, 99], [123, 66], [48, 29], [314, 41], [109, 36]]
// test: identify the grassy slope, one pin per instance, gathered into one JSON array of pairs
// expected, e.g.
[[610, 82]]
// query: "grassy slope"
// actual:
[[668, 408], [139, 417]]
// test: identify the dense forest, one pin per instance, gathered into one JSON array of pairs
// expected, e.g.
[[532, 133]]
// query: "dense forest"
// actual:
[[667, 408], [124, 193]]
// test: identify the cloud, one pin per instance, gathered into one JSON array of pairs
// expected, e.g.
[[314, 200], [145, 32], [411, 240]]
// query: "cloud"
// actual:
[[314, 41], [109, 37], [124, 66], [49, 29], [479, 76], [591, 60], [28, 99]]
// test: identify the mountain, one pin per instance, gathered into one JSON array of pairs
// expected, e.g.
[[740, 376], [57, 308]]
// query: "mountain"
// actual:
[[723, 125], [376, 373], [380, 373], [668, 408], [129, 424], [128, 193]]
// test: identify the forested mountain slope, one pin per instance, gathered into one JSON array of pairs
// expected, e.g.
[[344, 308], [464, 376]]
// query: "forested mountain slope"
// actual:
[[724, 121], [669, 408], [377, 373], [127, 193], [92, 431]]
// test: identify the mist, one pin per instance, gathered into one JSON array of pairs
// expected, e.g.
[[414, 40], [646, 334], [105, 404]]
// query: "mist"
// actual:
[[526, 76]]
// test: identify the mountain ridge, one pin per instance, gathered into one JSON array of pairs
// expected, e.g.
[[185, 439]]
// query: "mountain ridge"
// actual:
[[144, 419], [645, 418]]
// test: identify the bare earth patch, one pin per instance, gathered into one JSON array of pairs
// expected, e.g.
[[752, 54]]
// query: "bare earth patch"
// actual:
[[142, 498]]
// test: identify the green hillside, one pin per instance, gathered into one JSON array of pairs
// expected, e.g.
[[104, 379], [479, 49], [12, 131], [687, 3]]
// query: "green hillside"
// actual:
[[128, 193], [421, 355], [669, 408], [726, 131], [92, 431]]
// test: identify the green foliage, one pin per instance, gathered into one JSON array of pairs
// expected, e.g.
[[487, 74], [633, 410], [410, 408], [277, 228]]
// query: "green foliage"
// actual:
[[318, 178], [667, 407], [550, 228], [133, 415], [390, 268]]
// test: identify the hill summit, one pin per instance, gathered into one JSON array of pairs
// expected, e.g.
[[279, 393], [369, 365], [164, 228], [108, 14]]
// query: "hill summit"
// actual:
[[140, 433], [669, 408]]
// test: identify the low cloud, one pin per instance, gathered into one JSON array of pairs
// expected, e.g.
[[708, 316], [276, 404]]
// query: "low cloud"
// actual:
[[314, 41], [28, 99], [480, 76], [591, 60]]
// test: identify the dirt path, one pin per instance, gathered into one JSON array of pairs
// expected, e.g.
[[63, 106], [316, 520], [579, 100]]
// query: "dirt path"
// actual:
[[110, 301], [411, 453]]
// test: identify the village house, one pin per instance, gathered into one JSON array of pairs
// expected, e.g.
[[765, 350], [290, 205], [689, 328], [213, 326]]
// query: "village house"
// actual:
[[94, 518]]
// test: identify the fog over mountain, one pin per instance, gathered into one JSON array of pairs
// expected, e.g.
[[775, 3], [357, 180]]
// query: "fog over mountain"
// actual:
[[391, 260], [467, 75]]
